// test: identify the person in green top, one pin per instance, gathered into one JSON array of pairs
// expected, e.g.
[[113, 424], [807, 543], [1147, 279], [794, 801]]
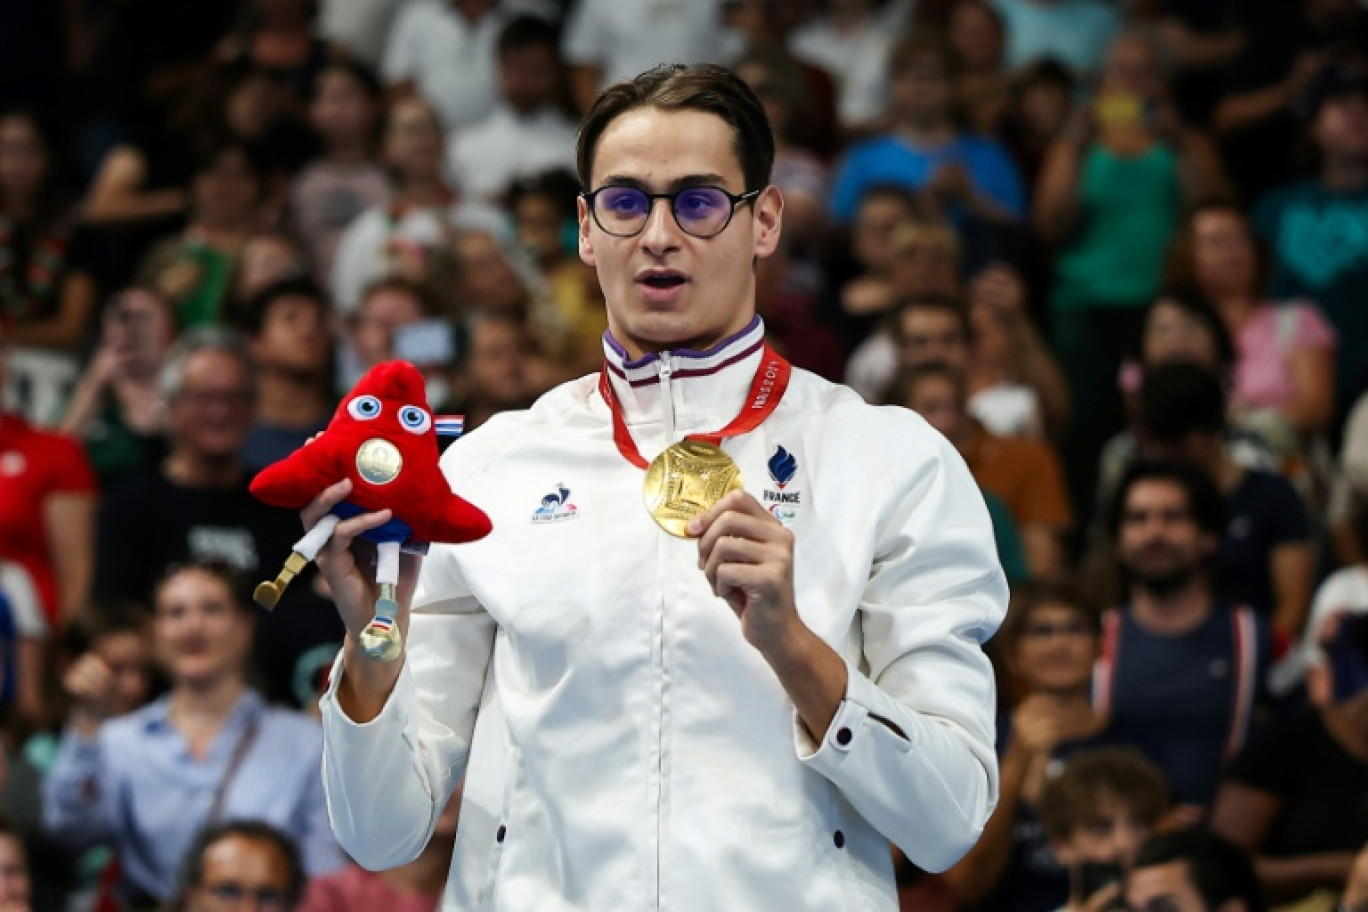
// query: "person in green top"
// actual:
[[1109, 198], [195, 268]]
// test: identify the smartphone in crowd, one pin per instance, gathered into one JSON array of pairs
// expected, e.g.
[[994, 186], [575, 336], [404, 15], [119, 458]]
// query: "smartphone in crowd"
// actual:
[[427, 343]]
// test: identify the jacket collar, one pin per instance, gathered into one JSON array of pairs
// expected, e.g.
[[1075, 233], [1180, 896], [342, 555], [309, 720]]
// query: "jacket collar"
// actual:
[[666, 395]]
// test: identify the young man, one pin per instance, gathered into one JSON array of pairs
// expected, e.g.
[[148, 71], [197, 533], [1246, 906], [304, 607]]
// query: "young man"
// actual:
[[739, 712], [1193, 871], [1178, 667], [233, 863], [1097, 814]]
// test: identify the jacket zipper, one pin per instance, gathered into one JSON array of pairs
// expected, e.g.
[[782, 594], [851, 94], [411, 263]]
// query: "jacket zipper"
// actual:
[[662, 713]]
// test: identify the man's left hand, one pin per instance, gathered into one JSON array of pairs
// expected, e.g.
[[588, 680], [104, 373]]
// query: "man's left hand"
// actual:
[[747, 556]]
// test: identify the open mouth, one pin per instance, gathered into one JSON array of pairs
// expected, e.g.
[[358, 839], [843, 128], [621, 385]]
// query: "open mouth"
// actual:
[[662, 280]]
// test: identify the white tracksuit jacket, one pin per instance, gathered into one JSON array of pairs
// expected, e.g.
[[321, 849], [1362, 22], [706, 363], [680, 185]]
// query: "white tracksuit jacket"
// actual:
[[627, 748]]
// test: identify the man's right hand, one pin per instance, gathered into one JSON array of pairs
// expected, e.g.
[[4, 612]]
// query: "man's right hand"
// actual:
[[90, 684], [1036, 726], [345, 563]]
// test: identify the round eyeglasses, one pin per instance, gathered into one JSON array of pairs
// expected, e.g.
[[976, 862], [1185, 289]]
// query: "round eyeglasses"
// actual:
[[703, 212]]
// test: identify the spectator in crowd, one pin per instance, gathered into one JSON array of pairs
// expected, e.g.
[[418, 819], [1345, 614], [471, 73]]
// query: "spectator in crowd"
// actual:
[[1048, 647], [1178, 667], [195, 504], [609, 40], [1074, 32], [117, 407], [195, 268], [388, 307], [567, 317], [267, 257], [345, 179], [1040, 106], [1023, 473], [925, 266], [47, 294], [445, 52], [413, 234], [494, 373], [489, 277], [924, 150], [279, 37], [1257, 114], [1097, 813], [852, 41], [414, 887], [1318, 228], [47, 510], [291, 343], [1296, 798], [978, 37], [1346, 589], [1109, 198], [527, 131], [864, 299], [1193, 871], [209, 750], [1285, 351], [15, 884], [1015, 386], [1266, 560], [800, 175], [233, 863], [358, 29]]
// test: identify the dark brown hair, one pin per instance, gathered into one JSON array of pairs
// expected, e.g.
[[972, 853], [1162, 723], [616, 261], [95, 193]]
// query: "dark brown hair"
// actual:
[[1032, 595], [1180, 265], [676, 87], [1070, 799]]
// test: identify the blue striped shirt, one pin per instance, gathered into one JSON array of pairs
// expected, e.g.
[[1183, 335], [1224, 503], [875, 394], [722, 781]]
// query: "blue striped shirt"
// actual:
[[136, 787]]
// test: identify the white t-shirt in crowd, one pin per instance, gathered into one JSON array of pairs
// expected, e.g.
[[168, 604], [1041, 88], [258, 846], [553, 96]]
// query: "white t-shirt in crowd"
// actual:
[[857, 61], [1008, 410], [627, 37], [484, 159], [449, 58], [360, 25]]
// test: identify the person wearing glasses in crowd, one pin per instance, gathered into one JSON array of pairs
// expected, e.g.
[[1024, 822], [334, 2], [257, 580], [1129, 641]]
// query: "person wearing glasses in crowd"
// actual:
[[724, 643], [233, 863]]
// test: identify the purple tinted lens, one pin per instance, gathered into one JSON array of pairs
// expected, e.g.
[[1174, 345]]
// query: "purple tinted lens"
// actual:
[[621, 207], [702, 210]]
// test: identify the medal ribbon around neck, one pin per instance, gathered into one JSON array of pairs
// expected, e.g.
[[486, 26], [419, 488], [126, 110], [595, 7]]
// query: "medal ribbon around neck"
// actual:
[[767, 388]]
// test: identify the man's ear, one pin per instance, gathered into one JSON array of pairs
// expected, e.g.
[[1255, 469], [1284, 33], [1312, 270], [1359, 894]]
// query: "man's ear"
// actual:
[[769, 220], [586, 244]]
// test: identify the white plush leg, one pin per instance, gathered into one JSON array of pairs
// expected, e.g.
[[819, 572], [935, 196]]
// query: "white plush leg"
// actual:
[[314, 540], [387, 563], [380, 639]]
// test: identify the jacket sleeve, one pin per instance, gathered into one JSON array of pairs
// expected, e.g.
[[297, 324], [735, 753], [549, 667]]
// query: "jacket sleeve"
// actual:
[[911, 745], [78, 805], [388, 779]]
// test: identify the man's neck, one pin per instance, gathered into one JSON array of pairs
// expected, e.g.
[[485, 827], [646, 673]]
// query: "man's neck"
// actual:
[[1344, 173], [926, 134], [290, 400], [191, 470], [351, 152], [207, 704], [1172, 613], [426, 874], [425, 191]]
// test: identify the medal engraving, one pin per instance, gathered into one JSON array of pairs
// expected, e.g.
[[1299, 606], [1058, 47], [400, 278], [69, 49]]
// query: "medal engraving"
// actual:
[[378, 461], [687, 479]]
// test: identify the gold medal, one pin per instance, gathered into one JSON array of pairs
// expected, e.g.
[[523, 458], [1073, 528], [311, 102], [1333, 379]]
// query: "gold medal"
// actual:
[[379, 461], [687, 479]]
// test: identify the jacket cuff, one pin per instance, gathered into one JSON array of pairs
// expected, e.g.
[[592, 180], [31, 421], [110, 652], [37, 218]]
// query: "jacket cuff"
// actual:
[[860, 708], [337, 724]]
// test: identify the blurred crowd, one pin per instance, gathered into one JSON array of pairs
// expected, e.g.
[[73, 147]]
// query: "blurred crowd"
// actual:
[[1116, 251]]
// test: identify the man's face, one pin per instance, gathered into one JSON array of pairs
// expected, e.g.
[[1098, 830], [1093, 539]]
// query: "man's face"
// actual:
[[936, 400], [875, 223], [530, 76], [1341, 125], [380, 314], [294, 336], [921, 90], [14, 876], [666, 289], [241, 873], [1160, 543], [932, 334], [212, 414], [1163, 888], [1111, 834], [496, 370]]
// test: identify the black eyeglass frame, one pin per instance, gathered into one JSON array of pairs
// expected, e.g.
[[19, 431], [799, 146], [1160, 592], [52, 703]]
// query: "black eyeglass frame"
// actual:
[[736, 199]]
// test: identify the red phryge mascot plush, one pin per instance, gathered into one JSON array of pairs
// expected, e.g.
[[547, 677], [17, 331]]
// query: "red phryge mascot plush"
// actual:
[[383, 438]]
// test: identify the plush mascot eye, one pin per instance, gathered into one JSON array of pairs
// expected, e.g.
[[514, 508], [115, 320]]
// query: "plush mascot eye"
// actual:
[[414, 419], [364, 408]]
